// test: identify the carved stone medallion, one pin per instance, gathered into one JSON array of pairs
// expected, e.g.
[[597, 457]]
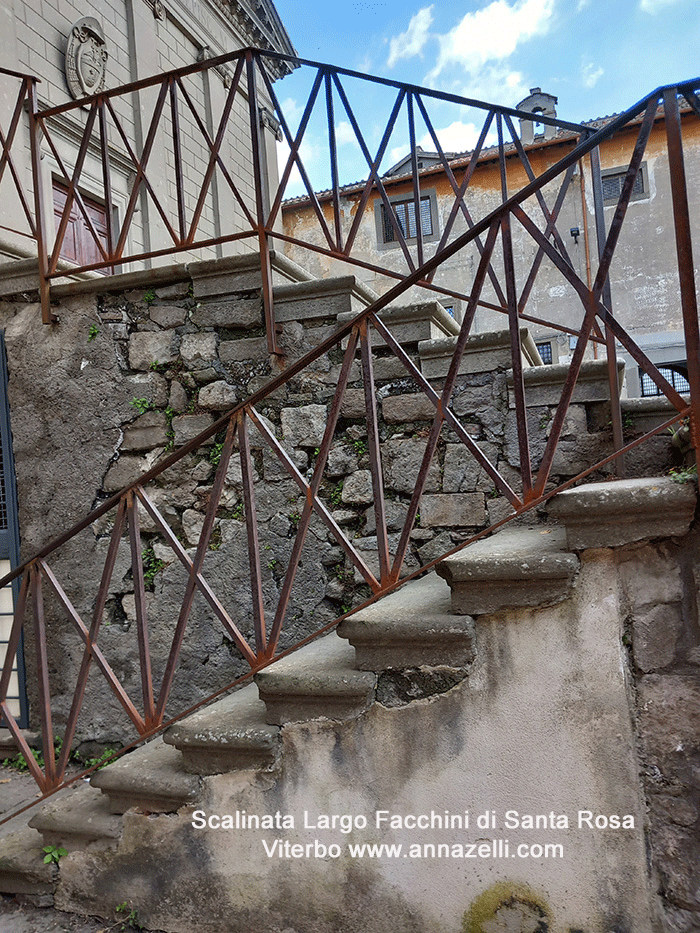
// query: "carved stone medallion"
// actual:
[[86, 58]]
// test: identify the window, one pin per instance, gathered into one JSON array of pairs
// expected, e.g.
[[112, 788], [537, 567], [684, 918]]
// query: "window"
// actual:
[[613, 180], [675, 373], [79, 244], [545, 351], [403, 210]]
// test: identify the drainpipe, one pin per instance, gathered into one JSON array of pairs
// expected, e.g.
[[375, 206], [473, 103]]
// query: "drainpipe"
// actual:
[[584, 214]]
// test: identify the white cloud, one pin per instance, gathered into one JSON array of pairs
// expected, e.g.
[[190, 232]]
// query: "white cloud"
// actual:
[[412, 41], [345, 134], [653, 6], [309, 155], [457, 137], [491, 34], [590, 75], [582, 4]]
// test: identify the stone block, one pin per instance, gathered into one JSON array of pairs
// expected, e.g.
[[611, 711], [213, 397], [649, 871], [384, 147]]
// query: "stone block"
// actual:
[[451, 510], [235, 313], [123, 472], [147, 347], [357, 488], [247, 348], [401, 462], [463, 473], [341, 461], [197, 349], [397, 409], [320, 298], [147, 432], [177, 399], [304, 426], [225, 276], [656, 631], [187, 427], [168, 315], [353, 404], [623, 511], [217, 396], [409, 324], [394, 512]]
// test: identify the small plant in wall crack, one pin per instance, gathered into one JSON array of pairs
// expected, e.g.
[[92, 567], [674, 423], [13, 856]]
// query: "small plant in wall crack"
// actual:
[[93, 332], [142, 405], [53, 854], [151, 565], [149, 297], [128, 919]]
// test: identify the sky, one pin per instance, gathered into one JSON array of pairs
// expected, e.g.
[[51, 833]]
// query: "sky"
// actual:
[[596, 56]]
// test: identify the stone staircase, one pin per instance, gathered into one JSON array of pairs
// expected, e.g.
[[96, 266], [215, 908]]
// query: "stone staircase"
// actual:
[[416, 644]]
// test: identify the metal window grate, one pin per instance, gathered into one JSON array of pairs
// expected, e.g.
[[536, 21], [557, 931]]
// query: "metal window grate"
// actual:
[[612, 185], [405, 214], [545, 350], [676, 376]]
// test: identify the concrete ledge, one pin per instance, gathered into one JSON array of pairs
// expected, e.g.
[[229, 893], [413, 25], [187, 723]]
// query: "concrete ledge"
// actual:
[[483, 353], [411, 628], [151, 778], [623, 511], [230, 735], [79, 820], [544, 384], [648, 413], [514, 568], [410, 324], [317, 682]]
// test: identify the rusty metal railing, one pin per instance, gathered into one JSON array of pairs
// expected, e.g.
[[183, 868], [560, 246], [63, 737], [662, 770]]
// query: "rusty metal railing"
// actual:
[[257, 631]]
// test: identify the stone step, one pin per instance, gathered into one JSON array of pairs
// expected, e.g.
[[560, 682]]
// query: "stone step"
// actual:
[[515, 568], [413, 627], [343, 296], [317, 682], [151, 778], [484, 353], [413, 323], [623, 511], [8, 746], [80, 819], [229, 735], [22, 866]]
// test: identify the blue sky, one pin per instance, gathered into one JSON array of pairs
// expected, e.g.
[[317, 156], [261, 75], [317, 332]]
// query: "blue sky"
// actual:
[[597, 56]]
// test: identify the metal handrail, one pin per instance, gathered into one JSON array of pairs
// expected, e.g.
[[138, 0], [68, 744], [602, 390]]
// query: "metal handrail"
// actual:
[[355, 337]]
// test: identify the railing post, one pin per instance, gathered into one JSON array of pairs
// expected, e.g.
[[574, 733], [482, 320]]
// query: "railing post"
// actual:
[[35, 134], [260, 188], [606, 298], [684, 252]]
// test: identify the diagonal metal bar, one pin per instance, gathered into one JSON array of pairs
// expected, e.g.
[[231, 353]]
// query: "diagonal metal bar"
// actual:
[[6, 142], [374, 173], [24, 749], [251, 520], [177, 155], [42, 671], [374, 168], [415, 177], [450, 418], [319, 507], [141, 613], [203, 544], [106, 179], [333, 153], [602, 312], [202, 584], [294, 158], [307, 511], [374, 450], [140, 165], [13, 641]]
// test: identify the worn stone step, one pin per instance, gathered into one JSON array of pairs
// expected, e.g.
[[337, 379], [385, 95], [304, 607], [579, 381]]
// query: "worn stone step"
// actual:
[[22, 867], [230, 735], [484, 353], [317, 682], [80, 819], [624, 511], [515, 568], [8, 746], [151, 778], [412, 323], [321, 298], [414, 627]]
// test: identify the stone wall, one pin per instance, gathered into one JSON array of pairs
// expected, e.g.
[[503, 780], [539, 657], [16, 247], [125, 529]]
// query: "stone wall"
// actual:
[[660, 585], [130, 374]]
